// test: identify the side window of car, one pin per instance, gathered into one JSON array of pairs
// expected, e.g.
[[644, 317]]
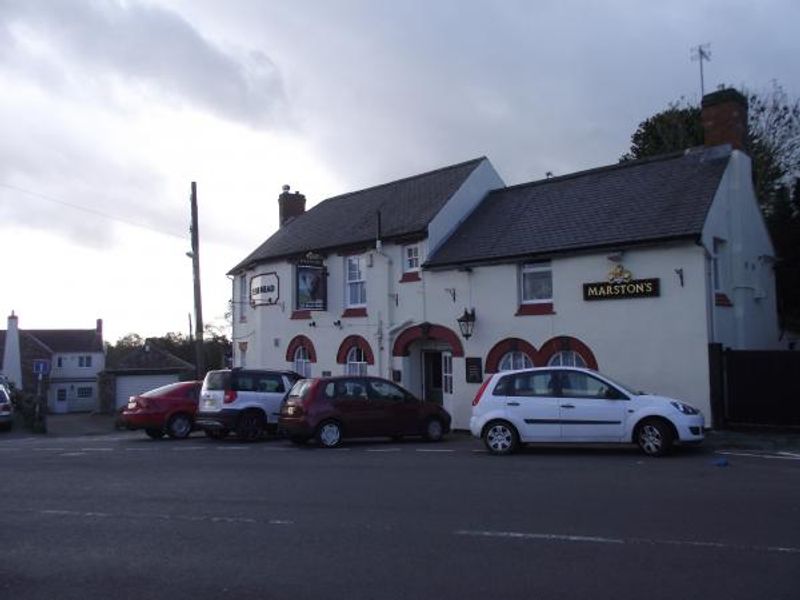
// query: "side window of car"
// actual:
[[243, 382], [539, 383], [383, 390], [575, 384], [270, 384]]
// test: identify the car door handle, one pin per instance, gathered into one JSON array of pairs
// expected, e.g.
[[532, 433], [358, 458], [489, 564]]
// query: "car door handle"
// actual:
[[512, 403], [567, 406]]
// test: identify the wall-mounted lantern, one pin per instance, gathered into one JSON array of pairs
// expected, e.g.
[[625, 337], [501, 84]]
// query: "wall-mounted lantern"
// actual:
[[466, 323]]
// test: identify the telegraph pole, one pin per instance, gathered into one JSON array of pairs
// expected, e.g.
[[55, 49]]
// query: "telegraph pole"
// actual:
[[198, 306]]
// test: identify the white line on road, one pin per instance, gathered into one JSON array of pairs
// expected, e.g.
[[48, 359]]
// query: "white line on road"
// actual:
[[604, 540], [383, 450], [779, 456], [97, 449], [162, 517], [187, 448], [233, 448], [73, 454]]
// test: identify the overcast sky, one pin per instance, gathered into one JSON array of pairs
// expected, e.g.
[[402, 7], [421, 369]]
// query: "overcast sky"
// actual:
[[110, 108]]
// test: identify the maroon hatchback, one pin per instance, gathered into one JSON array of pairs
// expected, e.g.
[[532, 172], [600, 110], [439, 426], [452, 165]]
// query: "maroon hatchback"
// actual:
[[333, 408], [169, 409]]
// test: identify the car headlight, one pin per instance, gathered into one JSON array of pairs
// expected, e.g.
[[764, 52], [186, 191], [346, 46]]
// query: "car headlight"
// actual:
[[685, 408]]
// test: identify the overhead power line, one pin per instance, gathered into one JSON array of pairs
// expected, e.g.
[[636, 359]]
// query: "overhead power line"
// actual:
[[93, 211]]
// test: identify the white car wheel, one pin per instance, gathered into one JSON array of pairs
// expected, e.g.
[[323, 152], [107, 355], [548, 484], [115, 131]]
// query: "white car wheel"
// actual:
[[500, 438]]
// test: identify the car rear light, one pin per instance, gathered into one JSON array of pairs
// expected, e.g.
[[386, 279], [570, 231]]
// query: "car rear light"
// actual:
[[230, 396], [477, 397]]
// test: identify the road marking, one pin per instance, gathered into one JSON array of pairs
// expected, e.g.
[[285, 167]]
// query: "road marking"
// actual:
[[49, 449], [383, 449], [163, 517], [97, 449], [187, 448], [233, 448], [139, 449], [433, 450], [73, 454], [604, 540], [779, 456]]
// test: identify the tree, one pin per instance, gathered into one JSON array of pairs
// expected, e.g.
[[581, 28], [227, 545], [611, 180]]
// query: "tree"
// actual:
[[773, 143], [216, 347]]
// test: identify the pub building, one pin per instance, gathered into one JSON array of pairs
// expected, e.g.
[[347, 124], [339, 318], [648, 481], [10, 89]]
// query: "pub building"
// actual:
[[438, 280]]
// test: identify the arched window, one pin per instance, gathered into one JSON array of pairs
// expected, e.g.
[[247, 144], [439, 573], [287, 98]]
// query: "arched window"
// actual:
[[567, 358], [356, 362], [514, 360], [302, 362]]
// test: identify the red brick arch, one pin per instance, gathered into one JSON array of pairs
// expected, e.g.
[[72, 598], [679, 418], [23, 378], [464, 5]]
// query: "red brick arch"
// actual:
[[509, 345], [348, 343], [564, 342], [301, 341], [427, 331]]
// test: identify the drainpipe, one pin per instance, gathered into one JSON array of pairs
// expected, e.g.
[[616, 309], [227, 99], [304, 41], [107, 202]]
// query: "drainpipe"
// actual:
[[383, 345]]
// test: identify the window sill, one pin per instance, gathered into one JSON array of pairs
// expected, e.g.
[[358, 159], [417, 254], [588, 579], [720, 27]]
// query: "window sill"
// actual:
[[721, 299], [410, 276], [355, 312], [542, 308], [301, 314]]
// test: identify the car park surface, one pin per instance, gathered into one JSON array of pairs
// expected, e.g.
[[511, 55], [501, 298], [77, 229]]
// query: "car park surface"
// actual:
[[330, 409], [572, 405], [169, 409]]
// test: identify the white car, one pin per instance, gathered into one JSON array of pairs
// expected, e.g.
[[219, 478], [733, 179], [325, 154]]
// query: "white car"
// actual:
[[557, 404]]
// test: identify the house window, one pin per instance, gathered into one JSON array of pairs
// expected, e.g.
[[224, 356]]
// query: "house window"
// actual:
[[411, 258], [61, 394], [59, 362], [447, 373], [356, 285], [85, 361], [84, 392], [244, 300], [302, 362], [567, 358], [356, 362], [536, 283], [514, 360], [717, 263]]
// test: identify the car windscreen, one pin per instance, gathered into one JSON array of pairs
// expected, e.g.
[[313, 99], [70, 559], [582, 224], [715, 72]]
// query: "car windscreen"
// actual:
[[217, 380]]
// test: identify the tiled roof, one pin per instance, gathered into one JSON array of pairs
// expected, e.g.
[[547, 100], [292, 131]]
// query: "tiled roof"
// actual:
[[407, 206], [149, 357], [634, 202]]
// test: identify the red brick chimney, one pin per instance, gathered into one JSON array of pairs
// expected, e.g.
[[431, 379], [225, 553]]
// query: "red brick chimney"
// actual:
[[724, 118], [290, 205]]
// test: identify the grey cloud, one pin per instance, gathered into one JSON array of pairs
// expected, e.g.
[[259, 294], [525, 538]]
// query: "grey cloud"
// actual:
[[156, 48]]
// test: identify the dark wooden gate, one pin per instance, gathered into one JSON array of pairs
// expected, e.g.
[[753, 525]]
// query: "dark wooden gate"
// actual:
[[755, 387]]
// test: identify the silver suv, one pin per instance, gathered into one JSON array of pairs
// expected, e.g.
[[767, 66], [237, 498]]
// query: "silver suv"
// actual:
[[245, 401]]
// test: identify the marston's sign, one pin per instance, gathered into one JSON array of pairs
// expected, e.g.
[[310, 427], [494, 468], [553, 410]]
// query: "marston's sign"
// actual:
[[621, 284]]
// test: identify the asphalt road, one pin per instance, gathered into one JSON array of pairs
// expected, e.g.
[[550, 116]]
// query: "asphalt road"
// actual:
[[121, 516]]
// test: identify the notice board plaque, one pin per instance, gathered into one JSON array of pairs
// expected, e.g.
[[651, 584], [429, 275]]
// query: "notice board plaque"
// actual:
[[474, 369]]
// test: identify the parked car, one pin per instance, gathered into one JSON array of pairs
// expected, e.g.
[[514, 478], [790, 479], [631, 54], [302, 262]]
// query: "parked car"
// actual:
[[246, 401], [6, 409], [577, 405], [333, 408], [169, 410]]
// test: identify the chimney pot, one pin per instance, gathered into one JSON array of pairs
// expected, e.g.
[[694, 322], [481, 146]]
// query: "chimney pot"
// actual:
[[286, 188], [290, 205], [724, 118]]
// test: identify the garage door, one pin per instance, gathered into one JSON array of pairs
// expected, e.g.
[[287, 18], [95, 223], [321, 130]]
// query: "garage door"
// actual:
[[130, 385]]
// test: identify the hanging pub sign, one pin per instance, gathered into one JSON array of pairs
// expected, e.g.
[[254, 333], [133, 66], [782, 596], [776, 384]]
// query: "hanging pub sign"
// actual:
[[621, 284], [264, 289], [311, 283]]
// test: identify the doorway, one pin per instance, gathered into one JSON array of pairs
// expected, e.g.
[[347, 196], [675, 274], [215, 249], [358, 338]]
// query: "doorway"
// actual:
[[432, 376]]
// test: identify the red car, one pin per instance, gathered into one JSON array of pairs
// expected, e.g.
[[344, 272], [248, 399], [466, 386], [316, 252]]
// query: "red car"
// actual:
[[169, 409], [332, 408]]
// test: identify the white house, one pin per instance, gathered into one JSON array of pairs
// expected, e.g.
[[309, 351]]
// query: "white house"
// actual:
[[74, 356], [632, 269]]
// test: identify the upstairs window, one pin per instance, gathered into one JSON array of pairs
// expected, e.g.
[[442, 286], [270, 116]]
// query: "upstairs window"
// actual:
[[244, 298], [356, 292], [536, 283], [411, 258], [85, 361], [717, 264]]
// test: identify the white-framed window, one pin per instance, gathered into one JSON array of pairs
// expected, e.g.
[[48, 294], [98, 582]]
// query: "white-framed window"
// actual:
[[302, 363], [514, 360], [411, 258], [447, 373], [244, 298], [59, 362], [717, 263], [61, 394], [85, 361], [84, 392], [536, 282], [567, 358], [356, 362], [356, 292]]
